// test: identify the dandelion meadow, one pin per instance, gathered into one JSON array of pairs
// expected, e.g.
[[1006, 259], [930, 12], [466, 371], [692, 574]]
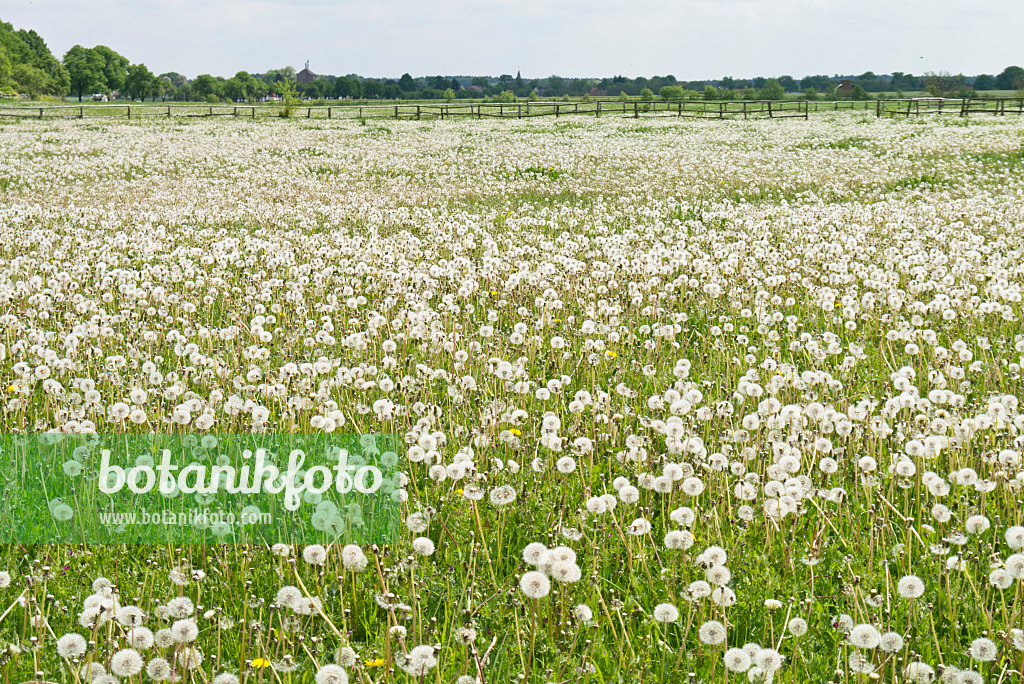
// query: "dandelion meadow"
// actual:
[[674, 401]]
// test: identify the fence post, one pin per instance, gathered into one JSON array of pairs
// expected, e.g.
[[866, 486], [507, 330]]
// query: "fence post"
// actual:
[[396, 111], [253, 112], [328, 112], [520, 111], [81, 112], [770, 114], [309, 112], [417, 112], [636, 110], [129, 112]]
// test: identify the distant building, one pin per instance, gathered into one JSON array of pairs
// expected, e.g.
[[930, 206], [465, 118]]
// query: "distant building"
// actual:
[[475, 89], [594, 92], [305, 76], [845, 88]]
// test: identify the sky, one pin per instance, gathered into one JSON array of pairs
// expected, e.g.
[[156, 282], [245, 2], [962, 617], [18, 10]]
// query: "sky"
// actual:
[[689, 39]]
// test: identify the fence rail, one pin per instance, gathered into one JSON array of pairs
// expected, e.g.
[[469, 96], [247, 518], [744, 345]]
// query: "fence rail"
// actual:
[[694, 109], [501, 110], [920, 106]]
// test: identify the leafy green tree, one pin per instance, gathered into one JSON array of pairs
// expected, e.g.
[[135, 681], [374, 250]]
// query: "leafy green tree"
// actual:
[[789, 83], [672, 92], [346, 87], [205, 84], [1011, 78], [85, 70], [5, 70], [820, 83], [710, 93], [859, 93], [810, 94], [407, 83], [29, 80], [449, 95], [556, 86], [115, 68], [772, 90], [140, 82], [985, 82], [646, 95], [942, 83]]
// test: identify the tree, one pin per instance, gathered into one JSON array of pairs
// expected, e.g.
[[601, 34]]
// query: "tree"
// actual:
[[942, 83], [820, 83], [204, 85], [710, 92], [1012, 78], [985, 82], [407, 83], [5, 70], [346, 87], [556, 86], [772, 90], [859, 93], [115, 68], [646, 95], [449, 95], [672, 92], [789, 83], [140, 82], [29, 80], [810, 94], [85, 70]]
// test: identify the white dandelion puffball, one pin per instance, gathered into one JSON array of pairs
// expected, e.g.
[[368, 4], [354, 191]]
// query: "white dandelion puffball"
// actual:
[[1015, 537], [737, 660], [678, 539], [126, 663], [768, 659], [797, 627], [983, 650], [864, 636], [71, 645], [910, 586], [665, 613], [535, 584], [712, 633], [353, 558], [419, 661], [890, 642], [423, 546], [331, 674], [583, 613], [532, 552], [314, 554], [185, 631]]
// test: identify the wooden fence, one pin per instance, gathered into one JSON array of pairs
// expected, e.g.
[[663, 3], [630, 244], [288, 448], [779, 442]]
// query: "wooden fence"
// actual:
[[696, 109], [920, 106], [501, 110]]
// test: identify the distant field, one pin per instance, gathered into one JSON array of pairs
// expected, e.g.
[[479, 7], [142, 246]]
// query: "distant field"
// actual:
[[677, 402]]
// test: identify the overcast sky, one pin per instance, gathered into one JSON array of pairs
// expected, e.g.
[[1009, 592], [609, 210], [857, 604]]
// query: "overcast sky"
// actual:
[[690, 39]]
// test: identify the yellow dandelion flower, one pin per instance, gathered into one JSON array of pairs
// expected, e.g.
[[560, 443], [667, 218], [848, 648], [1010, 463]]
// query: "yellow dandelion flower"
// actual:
[[377, 662], [260, 662], [610, 354], [515, 431]]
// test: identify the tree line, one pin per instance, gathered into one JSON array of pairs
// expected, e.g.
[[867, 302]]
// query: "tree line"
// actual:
[[27, 66]]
